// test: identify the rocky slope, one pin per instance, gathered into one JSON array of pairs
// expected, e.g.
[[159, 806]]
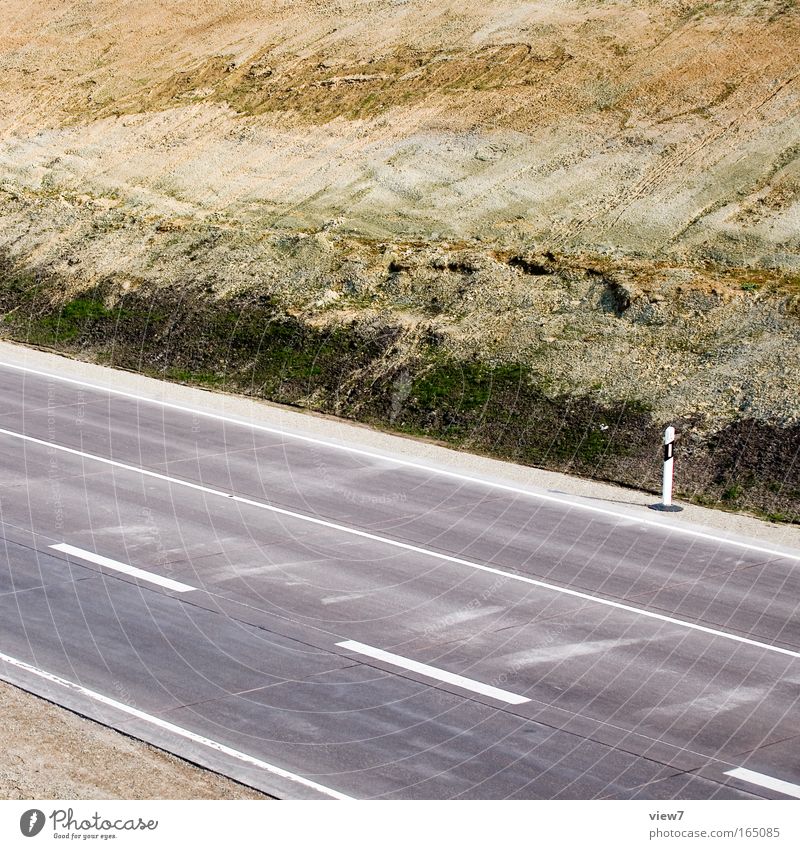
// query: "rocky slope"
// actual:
[[541, 230]]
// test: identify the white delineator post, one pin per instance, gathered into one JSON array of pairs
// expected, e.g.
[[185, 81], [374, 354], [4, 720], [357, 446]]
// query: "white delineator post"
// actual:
[[669, 463], [666, 504]]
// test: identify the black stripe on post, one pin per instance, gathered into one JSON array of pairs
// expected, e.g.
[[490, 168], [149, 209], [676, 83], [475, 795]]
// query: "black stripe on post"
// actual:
[[669, 451]]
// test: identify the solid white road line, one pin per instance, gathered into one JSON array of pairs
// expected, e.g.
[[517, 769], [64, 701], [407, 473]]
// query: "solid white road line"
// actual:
[[141, 574], [434, 672], [513, 576], [174, 729], [785, 787], [400, 461]]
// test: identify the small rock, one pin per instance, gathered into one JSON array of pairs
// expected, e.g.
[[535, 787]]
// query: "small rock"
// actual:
[[259, 71]]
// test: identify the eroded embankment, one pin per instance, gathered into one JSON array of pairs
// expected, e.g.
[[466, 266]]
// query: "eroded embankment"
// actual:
[[571, 368]]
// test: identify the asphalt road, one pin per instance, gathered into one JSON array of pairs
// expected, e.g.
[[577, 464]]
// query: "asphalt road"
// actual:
[[318, 622]]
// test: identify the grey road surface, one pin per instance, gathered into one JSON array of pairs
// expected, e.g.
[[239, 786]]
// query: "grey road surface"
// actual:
[[321, 623]]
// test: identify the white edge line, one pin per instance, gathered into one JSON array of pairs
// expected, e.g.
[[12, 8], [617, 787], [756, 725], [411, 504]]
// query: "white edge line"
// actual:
[[406, 546], [389, 458], [785, 787], [434, 672], [126, 569], [174, 729]]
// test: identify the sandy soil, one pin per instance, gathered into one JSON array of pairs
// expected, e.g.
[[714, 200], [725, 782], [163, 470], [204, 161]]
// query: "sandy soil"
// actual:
[[51, 753], [647, 126], [307, 148]]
